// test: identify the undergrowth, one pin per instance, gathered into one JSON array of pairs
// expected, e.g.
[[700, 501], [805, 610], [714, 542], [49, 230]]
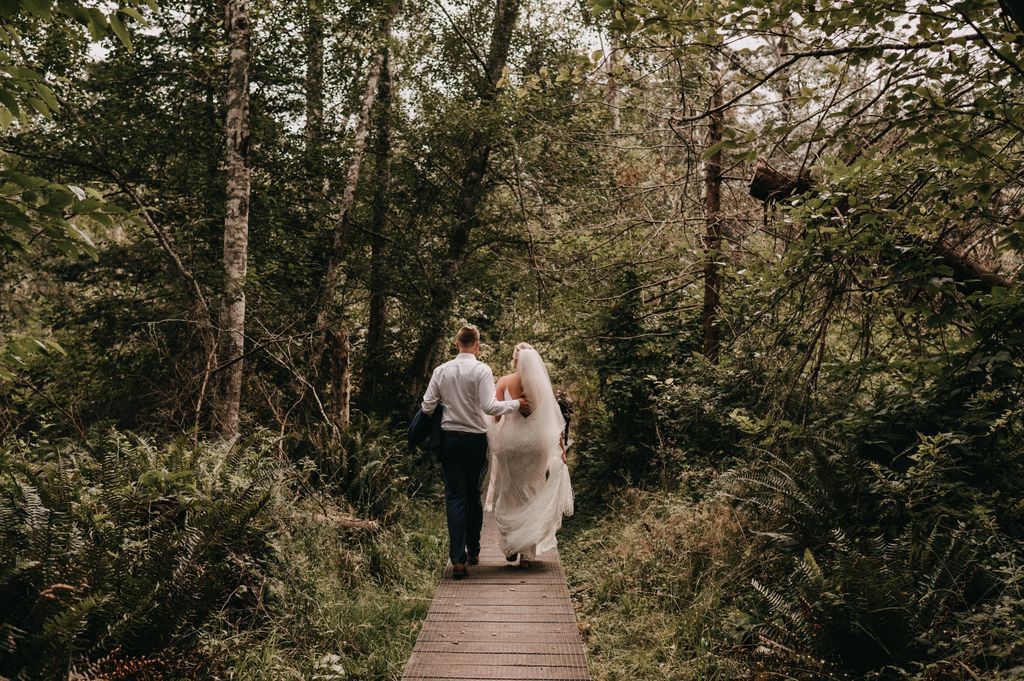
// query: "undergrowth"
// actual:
[[121, 558], [344, 605], [648, 578], [781, 570]]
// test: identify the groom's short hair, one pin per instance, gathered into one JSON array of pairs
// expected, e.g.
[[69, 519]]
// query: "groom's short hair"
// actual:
[[467, 336]]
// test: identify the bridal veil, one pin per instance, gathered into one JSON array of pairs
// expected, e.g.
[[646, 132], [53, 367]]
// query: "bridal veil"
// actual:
[[530, 489]]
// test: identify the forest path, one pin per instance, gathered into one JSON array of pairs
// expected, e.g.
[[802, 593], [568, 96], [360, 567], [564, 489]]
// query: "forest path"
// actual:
[[501, 622]]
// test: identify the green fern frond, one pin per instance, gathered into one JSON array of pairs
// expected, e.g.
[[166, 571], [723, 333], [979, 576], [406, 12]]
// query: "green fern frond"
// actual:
[[62, 628]]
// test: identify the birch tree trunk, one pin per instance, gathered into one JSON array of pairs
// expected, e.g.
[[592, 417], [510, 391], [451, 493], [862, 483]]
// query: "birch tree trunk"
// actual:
[[236, 218], [378, 316], [713, 235], [468, 203], [339, 238], [613, 95]]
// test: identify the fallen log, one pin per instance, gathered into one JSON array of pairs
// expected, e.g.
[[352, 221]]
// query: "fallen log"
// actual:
[[345, 521], [772, 185]]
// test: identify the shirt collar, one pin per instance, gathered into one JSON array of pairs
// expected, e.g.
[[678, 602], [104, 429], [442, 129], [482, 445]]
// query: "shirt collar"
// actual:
[[466, 355]]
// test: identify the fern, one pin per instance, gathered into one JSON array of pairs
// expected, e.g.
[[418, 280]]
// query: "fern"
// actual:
[[841, 590], [129, 548]]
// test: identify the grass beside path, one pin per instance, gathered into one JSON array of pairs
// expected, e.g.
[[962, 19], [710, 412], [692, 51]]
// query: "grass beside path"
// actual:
[[347, 604], [648, 598]]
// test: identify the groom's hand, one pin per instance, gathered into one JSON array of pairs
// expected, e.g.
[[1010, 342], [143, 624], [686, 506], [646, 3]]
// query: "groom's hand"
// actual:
[[524, 406]]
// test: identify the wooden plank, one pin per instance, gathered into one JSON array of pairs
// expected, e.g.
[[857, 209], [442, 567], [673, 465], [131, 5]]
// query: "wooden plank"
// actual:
[[493, 647], [501, 622], [485, 670]]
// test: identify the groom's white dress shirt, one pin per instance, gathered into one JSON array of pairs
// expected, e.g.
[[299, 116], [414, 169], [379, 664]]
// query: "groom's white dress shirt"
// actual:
[[465, 386]]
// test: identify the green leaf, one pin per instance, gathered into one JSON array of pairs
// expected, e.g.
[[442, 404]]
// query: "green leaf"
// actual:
[[40, 8], [88, 206], [120, 31], [102, 218], [21, 72], [40, 106], [134, 14], [46, 94], [60, 199], [9, 102], [715, 148], [23, 180], [97, 24]]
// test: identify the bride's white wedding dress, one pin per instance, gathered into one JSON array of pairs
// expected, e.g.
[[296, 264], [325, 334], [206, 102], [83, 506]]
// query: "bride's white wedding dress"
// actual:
[[529, 491]]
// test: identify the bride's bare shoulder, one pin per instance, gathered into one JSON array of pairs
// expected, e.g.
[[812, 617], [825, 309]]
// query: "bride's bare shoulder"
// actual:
[[512, 383]]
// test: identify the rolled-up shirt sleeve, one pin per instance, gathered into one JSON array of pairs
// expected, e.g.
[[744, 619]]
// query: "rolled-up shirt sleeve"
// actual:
[[488, 403], [433, 395]]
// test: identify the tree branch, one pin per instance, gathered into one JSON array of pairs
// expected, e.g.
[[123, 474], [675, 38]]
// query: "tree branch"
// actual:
[[795, 57]]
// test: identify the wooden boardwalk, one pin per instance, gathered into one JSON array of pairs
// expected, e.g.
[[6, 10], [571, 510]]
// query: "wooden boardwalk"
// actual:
[[501, 622]]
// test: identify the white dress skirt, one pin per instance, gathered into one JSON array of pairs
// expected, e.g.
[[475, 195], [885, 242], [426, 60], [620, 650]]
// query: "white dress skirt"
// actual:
[[529, 488]]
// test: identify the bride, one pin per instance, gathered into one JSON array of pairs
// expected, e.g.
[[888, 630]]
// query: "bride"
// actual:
[[530, 489]]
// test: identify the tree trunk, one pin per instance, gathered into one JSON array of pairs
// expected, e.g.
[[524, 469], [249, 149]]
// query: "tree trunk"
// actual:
[[341, 376], [314, 81], [236, 218], [339, 239], [328, 295], [613, 96], [468, 203], [315, 182], [713, 236], [378, 317]]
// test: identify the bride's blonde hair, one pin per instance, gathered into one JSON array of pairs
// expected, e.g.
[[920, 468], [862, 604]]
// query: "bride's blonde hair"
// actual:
[[515, 352]]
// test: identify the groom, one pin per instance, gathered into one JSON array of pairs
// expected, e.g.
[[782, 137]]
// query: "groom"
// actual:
[[465, 387]]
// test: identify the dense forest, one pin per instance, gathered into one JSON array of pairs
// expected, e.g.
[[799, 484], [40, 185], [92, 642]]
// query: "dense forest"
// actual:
[[771, 252]]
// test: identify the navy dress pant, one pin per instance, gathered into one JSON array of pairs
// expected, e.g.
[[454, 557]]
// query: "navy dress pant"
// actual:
[[464, 460]]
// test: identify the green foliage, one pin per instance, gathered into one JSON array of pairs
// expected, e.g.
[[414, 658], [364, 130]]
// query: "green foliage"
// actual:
[[654, 580], [206, 562], [867, 399], [341, 605], [33, 209], [125, 548], [864, 593], [367, 466], [627, 436], [32, 206], [797, 568]]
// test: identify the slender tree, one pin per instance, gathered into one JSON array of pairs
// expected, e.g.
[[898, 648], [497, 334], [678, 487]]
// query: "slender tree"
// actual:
[[374, 355], [314, 78], [236, 218], [468, 202], [713, 235], [337, 339]]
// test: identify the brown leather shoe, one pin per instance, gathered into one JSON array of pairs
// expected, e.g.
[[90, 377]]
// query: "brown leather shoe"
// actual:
[[459, 570], [474, 559]]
